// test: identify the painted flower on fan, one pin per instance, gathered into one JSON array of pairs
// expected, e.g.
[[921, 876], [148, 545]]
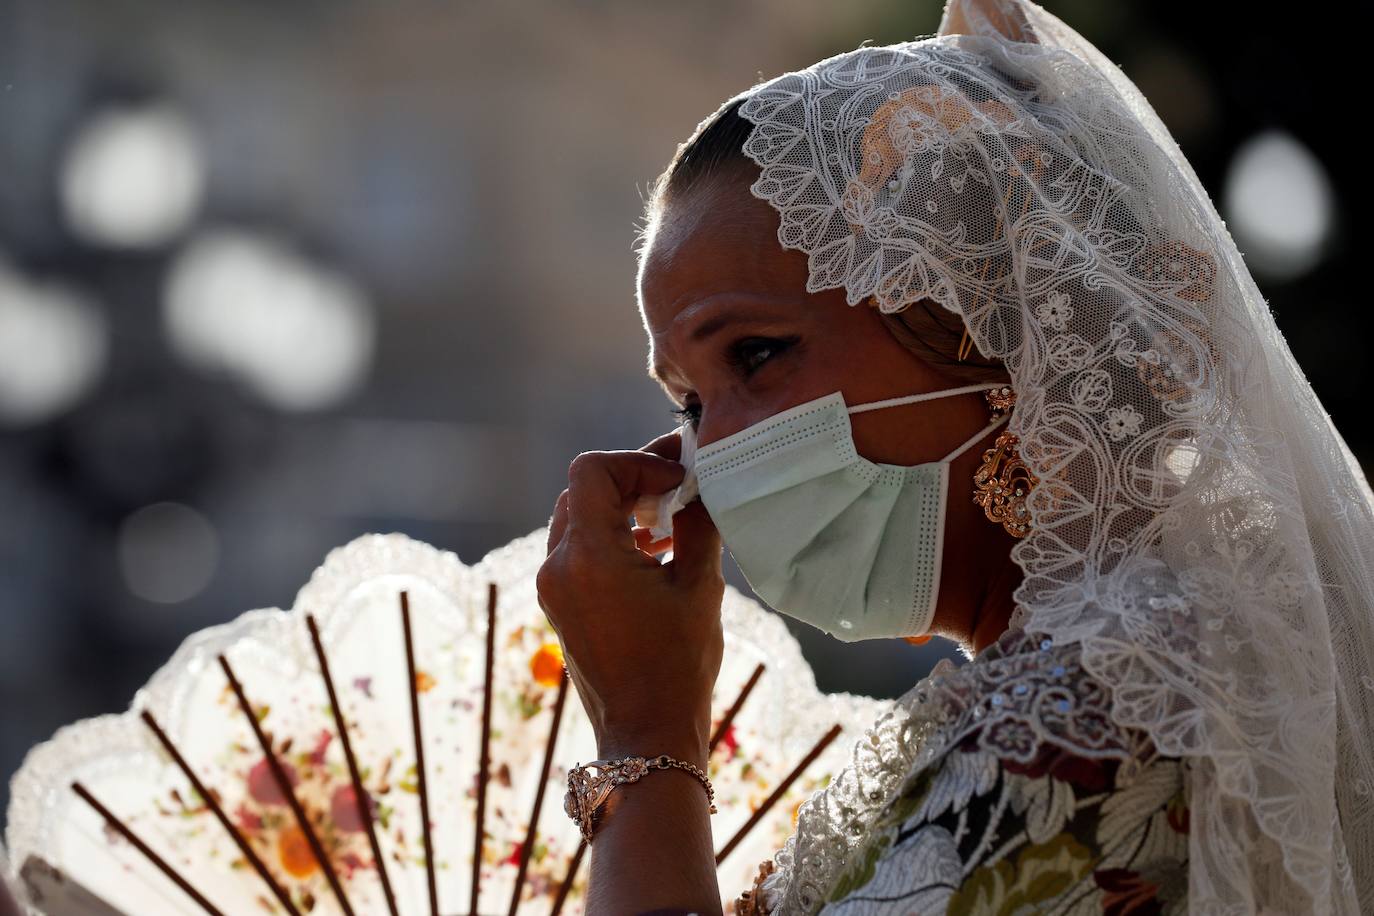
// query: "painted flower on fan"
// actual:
[[547, 664], [343, 808], [262, 782], [1122, 422], [729, 740], [1055, 312], [295, 854]]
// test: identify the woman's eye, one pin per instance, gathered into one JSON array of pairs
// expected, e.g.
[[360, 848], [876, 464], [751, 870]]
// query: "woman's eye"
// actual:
[[746, 356], [750, 353]]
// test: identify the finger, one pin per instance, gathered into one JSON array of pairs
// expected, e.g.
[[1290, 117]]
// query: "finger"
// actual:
[[603, 488], [696, 544], [668, 445], [558, 522]]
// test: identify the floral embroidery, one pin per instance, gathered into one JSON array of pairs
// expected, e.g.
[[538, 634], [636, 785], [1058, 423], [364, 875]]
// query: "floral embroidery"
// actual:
[[1122, 422], [1013, 816], [1092, 390], [1055, 311], [1063, 833], [1067, 352]]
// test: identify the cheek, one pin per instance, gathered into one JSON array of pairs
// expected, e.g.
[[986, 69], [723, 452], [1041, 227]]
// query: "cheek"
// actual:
[[866, 362]]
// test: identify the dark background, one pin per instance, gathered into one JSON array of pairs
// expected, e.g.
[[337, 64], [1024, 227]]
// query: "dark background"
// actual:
[[437, 201]]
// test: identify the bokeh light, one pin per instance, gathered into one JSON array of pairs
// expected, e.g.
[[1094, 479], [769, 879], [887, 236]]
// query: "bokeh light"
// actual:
[[133, 177], [168, 552], [54, 344], [299, 335], [1278, 204]]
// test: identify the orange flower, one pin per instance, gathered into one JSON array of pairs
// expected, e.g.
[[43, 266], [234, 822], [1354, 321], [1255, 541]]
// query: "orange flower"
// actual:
[[547, 664], [295, 853], [424, 681]]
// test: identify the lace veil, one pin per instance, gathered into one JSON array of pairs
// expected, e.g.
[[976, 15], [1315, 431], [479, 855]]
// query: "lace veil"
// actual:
[[1202, 535]]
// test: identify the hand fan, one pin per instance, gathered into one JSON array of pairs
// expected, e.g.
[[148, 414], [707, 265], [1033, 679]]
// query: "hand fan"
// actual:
[[396, 743]]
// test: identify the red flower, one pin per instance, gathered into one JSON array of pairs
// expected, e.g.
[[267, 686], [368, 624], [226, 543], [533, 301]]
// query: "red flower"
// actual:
[[1085, 772], [515, 853]]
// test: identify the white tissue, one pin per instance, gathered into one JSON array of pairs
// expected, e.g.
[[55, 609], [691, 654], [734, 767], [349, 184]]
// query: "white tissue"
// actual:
[[655, 512]]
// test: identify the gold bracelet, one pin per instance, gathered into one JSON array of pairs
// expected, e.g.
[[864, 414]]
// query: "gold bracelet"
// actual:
[[586, 792]]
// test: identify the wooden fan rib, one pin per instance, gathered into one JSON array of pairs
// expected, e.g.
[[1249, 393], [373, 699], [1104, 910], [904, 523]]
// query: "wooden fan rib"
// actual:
[[287, 790], [148, 852], [484, 765], [778, 792], [360, 796], [213, 803], [421, 785]]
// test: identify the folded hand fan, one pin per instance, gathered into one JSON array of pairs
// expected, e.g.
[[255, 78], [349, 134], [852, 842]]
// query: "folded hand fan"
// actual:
[[396, 743]]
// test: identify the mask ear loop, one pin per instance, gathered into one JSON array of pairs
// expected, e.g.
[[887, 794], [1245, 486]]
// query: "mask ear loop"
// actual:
[[914, 398], [976, 436]]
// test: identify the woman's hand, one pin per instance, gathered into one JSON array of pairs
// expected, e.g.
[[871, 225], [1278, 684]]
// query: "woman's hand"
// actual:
[[642, 640]]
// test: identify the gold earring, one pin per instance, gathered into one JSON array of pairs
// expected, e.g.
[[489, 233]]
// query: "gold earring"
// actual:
[[1002, 482]]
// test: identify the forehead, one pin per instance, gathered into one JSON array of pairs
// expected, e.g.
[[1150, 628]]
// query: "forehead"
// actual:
[[718, 239]]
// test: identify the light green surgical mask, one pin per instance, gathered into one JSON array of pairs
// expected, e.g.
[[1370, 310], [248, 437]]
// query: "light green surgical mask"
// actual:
[[822, 534]]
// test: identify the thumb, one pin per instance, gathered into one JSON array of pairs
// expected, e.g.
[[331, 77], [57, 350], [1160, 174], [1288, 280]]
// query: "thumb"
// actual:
[[696, 543]]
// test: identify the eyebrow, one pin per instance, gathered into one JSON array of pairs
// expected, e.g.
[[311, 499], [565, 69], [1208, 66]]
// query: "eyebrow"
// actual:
[[709, 328]]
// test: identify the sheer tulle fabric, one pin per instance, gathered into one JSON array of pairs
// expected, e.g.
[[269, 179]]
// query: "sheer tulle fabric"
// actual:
[[1202, 535]]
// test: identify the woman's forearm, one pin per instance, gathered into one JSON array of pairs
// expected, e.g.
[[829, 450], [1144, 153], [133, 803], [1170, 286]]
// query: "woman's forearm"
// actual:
[[652, 850]]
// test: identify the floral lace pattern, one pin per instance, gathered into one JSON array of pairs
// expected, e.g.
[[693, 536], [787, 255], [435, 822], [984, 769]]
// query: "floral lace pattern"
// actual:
[[1200, 530]]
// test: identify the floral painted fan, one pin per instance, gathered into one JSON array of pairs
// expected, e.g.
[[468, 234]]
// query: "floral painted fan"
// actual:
[[387, 746]]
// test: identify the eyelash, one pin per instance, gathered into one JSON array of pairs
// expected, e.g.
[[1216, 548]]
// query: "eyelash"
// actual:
[[737, 355]]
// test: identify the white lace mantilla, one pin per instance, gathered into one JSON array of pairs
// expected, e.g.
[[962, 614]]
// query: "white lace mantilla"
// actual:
[[1200, 532]]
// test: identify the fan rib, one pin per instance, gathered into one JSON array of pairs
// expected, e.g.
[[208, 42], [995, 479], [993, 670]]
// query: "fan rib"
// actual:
[[484, 765], [144, 848], [422, 788], [778, 792], [728, 719], [212, 801], [532, 831], [360, 796], [288, 790]]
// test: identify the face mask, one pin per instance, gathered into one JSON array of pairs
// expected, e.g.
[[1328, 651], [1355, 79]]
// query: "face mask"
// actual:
[[822, 534]]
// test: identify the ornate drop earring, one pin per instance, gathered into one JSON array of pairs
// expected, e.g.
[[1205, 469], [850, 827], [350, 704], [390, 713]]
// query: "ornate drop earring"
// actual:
[[1002, 482]]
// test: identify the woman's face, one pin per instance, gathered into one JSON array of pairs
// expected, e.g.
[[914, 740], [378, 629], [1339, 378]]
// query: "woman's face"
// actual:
[[734, 336]]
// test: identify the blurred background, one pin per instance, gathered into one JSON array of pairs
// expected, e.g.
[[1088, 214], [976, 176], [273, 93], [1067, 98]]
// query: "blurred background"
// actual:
[[275, 275]]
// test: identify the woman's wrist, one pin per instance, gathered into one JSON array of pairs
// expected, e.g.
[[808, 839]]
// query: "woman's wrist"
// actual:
[[686, 744]]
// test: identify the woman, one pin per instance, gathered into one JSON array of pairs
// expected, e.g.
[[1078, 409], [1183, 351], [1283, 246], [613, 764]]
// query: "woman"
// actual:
[[1144, 531]]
